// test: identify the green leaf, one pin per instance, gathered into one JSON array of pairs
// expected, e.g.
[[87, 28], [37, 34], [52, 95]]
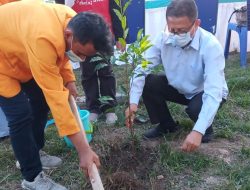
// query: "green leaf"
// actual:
[[113, 59], [125, 33], [118, 14], [146, 47], [122, 89], [143, 39], [126, 5], [122, 42], [96, 58], [141, 119], [139, 34], [124, 57], [105, 99], [117, 2], [100, 66], [144, 44], [103, 58], [144, 64], [124, 22]]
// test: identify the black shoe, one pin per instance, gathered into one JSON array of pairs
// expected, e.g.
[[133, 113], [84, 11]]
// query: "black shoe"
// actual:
[[159, 132], [208, 136]]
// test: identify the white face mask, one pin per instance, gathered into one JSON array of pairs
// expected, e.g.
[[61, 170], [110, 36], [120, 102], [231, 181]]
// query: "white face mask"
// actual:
[[72, 56], [180, 40]]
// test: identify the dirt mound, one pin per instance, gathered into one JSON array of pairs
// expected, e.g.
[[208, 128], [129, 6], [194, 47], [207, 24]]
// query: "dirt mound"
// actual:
[[125, 167], [123, 180]]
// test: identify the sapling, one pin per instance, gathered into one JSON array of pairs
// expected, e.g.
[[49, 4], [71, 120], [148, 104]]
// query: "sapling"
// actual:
[[132, 56]]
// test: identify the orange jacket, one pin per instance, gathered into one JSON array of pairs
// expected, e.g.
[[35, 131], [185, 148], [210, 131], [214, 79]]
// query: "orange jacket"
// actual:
[[6, 1], [33, 46]]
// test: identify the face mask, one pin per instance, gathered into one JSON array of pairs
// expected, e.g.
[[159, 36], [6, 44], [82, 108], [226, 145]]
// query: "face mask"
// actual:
[[180, 40], [72, 56]]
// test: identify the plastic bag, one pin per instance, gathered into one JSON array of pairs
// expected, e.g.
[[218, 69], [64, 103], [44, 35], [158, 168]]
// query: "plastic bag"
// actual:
[[241, 16]]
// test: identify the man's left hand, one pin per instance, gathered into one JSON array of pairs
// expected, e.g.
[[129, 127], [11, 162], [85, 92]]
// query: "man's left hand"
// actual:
[[71, 86], [192, 141]]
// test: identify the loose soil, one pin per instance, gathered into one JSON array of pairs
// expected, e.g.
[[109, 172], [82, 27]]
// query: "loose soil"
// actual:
[[127, 165]]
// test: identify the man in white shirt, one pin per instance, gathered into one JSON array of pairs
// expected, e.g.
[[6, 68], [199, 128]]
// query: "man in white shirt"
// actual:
[[194, 64]]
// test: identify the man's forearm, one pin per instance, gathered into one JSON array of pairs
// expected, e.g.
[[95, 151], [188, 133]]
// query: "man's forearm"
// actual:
[[80, 142]]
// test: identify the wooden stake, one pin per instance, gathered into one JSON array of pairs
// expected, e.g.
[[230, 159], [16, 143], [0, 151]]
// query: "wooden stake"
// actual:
[[95, 178]]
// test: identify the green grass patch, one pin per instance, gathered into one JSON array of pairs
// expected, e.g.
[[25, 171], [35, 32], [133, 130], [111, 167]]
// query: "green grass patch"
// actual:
[[238, 177], [177, 161]]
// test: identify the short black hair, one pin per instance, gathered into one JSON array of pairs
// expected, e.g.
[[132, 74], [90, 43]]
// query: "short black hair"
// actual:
[[182, 8], [91, 27]]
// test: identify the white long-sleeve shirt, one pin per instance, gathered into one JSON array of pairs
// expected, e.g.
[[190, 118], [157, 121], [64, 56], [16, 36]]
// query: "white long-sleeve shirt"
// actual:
[[196, 68]]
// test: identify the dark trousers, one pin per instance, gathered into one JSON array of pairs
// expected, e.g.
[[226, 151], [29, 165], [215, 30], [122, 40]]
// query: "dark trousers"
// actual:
[[26, 114], [155, 94], [97, 83]]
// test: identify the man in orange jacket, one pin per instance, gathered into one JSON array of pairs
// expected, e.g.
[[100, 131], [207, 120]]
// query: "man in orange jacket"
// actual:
[[37, 40], [6, 1]]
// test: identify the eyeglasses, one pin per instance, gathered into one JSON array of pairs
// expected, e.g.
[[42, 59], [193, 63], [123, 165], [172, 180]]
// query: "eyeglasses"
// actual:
[[181, 30]]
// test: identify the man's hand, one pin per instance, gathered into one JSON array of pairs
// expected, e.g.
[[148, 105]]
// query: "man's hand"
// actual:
[[130, 111], [86, 155], [192, 141], [86, 160], [71, 86]]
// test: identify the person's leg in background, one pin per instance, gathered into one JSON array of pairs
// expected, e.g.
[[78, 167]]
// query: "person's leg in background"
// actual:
[[108, 88], [155, 94], [91, 78], [90, 88]]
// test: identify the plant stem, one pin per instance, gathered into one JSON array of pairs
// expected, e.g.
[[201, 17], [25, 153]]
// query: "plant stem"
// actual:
[[128, 96]]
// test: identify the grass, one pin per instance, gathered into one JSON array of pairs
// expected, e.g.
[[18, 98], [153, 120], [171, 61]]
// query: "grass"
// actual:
[[177, 161], [223, 164]]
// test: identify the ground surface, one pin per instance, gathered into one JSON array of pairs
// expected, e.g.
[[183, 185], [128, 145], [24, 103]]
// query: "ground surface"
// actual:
[[132, 163]]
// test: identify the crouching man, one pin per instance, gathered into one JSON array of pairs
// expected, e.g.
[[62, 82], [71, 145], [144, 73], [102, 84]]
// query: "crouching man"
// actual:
[[193, 64], [37, 40]]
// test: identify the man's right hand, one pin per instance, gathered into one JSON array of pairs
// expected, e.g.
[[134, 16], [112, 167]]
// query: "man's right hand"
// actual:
[[86, 155], [86, 160], [130, 114]]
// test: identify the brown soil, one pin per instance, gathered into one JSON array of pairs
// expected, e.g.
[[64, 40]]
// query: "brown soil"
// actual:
[[127, 166]]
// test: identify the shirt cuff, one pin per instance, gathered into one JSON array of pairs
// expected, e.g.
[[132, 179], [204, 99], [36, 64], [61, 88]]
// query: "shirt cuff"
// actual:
[[63, 132], [200, 126], [134, 99], [67, 79]]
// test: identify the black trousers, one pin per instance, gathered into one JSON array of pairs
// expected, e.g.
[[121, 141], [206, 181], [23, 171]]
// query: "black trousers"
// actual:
[[155, 94], [26, 114], [97, 83]]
